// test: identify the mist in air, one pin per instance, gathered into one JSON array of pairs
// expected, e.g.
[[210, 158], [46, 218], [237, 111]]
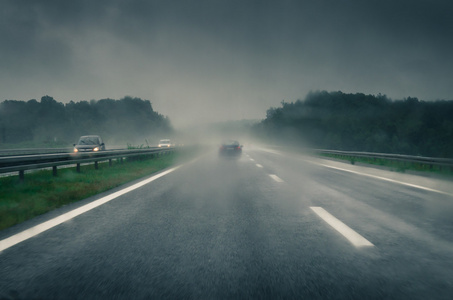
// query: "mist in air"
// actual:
[[263, 101], [200, 62]]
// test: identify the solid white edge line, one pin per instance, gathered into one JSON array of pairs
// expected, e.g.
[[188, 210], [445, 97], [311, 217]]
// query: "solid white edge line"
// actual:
[[374, 176], [276, 178], [389, 180], [259, 166], [352, 236], [31, 232]]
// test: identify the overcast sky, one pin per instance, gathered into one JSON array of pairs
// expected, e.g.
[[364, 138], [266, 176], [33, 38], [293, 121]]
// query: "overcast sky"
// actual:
[[212, 60]]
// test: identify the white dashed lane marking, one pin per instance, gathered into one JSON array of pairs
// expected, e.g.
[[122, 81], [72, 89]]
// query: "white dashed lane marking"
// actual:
[[370, 175], [259, 166], [352, 236], [276, 178]]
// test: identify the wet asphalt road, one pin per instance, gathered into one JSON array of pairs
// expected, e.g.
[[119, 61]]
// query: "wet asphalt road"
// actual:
[[224, 228]]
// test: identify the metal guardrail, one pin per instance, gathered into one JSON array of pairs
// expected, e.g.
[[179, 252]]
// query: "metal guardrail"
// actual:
[[443, 162], [14, 152], [20, 163], [24, 151]]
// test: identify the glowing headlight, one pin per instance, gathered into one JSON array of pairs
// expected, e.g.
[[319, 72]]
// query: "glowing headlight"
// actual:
[[76, 150], [96, 149]]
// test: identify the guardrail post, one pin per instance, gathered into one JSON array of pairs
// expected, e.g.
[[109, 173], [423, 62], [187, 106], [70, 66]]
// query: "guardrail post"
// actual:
[[96, 165], [54, 170], [110, 162], [21, 175], [78, 167]]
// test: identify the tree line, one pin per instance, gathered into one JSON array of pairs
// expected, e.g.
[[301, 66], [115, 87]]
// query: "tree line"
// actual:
[[50, 121], [359, 122]]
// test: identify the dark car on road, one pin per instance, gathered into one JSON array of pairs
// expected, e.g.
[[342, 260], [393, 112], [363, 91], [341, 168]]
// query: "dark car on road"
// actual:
[[89, 143], [230, 148]]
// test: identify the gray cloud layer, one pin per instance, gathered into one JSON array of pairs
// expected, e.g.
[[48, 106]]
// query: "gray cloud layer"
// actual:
[[215, 60]]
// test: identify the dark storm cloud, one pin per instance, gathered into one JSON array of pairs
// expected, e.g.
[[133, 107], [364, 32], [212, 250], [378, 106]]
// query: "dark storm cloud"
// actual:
[[233, 59]]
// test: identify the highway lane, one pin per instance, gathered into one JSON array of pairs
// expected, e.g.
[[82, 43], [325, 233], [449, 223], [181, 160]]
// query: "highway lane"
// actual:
[[224, 228]]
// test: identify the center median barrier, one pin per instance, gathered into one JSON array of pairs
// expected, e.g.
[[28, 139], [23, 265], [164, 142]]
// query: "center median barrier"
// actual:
[[38, 161]]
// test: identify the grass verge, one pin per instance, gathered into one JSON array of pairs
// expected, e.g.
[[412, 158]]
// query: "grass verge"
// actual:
[[396, 166], [41, 192]]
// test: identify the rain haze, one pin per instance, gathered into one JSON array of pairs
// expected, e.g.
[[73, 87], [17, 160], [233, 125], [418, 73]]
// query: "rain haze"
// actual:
[[211, 61], [226, 149]]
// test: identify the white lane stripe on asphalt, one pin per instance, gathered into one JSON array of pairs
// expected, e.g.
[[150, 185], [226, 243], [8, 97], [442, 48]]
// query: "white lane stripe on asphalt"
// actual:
[[251, 159], [259, 166], [372, 176], [29, 233], [388, 179], [355, 238], [271, 151], [276, 178]]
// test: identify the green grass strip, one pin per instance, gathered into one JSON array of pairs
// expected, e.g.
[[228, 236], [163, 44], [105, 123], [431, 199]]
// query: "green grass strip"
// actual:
[[41, 192]]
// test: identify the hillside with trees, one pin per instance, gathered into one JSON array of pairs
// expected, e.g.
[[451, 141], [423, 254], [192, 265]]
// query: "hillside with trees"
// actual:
[[358, 122], [48, 121]]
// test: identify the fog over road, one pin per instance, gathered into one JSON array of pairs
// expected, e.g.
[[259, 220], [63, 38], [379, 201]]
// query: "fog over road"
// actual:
[[261, 226]]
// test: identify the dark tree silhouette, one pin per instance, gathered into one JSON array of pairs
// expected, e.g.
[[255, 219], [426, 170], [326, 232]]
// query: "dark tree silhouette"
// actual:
[[50, 121], [363, 123]]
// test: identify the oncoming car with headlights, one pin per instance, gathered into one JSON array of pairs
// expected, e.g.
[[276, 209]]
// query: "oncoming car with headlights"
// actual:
[[89, 143], [164, 143]]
